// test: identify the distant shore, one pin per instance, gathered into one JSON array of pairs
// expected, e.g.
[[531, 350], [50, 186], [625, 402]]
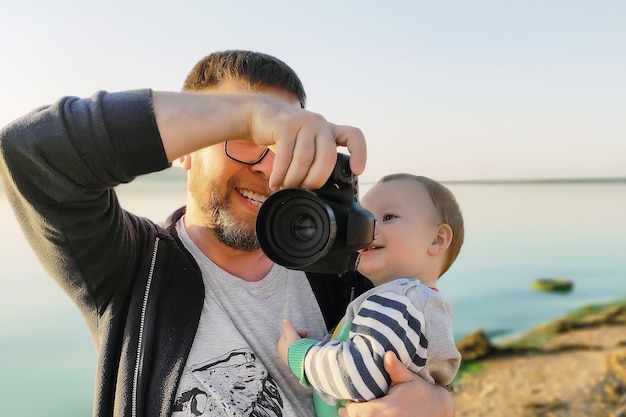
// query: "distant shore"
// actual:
[[174, 175], [180, 175], [540, 181]]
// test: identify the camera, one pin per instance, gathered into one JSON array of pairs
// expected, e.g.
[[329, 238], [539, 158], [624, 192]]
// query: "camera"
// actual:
[[317, 231]]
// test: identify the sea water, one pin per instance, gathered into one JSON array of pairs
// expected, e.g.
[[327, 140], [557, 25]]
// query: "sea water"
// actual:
[[514, 234]]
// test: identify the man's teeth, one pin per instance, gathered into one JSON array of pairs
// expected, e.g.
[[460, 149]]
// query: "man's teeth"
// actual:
[[256, 198]]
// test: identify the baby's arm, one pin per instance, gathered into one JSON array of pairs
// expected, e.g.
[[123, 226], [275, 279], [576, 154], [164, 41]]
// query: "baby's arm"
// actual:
[[355, 369], [289, 336], [443, 357]]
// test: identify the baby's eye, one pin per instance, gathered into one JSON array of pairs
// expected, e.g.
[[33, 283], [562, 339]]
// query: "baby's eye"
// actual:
[[388, 216]]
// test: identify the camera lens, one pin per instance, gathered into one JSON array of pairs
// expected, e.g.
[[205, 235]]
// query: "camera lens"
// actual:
[[317, 231], [303, 228], [295, 228]]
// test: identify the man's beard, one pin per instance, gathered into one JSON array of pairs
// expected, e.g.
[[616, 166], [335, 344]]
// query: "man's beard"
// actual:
[[229, 229]]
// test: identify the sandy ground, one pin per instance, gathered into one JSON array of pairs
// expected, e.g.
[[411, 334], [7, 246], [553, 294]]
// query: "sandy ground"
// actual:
[[569, 379]]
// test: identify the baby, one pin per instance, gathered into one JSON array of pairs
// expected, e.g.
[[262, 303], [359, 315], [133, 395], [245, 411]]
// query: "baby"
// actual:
[[418, 235]]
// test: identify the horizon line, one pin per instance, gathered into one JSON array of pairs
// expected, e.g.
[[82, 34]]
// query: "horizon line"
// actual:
[[566, 180]]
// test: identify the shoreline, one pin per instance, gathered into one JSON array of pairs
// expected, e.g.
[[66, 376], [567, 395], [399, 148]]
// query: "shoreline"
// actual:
[[574, 366]]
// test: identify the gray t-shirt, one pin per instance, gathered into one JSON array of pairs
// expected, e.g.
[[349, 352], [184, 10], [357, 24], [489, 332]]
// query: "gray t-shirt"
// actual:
[[233, 368]]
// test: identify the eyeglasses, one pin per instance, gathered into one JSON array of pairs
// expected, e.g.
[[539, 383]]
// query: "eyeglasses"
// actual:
[[245, 151]]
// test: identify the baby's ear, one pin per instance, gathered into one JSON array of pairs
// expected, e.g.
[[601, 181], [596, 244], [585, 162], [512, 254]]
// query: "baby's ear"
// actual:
[[441, 239]]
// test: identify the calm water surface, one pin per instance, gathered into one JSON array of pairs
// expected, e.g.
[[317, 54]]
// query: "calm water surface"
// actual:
[[514, 234]]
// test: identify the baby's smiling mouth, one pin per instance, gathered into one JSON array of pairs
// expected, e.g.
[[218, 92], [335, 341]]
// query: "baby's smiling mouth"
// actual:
[[254, 197], [372, 247]]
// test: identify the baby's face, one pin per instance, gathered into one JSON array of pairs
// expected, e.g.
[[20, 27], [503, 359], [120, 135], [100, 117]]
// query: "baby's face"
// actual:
[[406, 225]]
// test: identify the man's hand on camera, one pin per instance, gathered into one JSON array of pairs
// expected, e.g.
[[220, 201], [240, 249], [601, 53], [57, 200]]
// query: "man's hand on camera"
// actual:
[[305, 143]]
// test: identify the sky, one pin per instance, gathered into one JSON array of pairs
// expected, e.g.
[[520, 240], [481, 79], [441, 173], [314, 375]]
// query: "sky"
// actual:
[[453, 90]]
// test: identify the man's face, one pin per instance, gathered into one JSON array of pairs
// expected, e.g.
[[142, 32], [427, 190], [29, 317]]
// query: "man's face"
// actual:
[[225, 195]]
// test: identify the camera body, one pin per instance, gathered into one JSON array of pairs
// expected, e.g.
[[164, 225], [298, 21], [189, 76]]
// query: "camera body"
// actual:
[[317, 231]]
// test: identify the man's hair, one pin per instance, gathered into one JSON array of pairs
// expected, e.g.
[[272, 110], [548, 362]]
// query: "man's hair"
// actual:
[[255, 68], [448, 209]]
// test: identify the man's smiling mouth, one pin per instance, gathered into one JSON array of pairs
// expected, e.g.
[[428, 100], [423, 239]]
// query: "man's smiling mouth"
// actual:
[[255, 198]]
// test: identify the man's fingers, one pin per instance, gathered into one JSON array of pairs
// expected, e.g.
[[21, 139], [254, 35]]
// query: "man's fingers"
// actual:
[[323, 163], [309, 160], [304, 153], [305, 145], [282, 160], [353, 139], [396, 369]]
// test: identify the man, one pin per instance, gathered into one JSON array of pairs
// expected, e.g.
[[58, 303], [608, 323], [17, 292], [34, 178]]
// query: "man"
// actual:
[[185, 318]]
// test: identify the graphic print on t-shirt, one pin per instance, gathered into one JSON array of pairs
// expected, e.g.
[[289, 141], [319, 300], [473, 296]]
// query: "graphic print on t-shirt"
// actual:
[[234, 384]]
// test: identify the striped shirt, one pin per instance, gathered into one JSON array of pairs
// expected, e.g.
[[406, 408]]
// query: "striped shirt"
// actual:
[[403, 316]]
